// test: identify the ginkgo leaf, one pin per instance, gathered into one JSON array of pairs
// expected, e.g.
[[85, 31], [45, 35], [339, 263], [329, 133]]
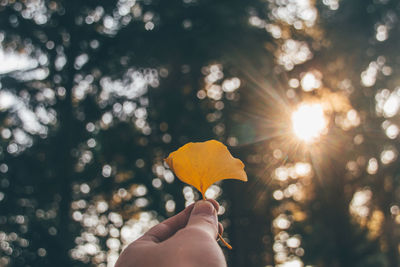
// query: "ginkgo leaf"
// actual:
[[202, 164]]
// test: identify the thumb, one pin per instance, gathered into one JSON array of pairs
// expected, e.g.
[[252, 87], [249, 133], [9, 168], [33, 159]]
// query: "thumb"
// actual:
[[204, 218]]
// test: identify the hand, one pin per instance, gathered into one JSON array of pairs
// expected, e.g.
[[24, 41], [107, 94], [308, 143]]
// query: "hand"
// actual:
[[187, 239]]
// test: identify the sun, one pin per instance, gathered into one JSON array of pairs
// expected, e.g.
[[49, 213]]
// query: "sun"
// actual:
[[308, 122]]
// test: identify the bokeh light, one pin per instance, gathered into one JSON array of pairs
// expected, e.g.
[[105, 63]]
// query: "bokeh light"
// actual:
[[93, 96]]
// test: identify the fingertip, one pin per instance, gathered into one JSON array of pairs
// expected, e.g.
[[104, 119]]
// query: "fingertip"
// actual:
[[214, 203], [220, 228], [203, 207]]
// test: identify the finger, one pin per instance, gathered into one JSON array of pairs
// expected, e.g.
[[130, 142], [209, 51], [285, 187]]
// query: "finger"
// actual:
[[220, 228], [216, 206], [204, 218], [169, 227], [215, 203]]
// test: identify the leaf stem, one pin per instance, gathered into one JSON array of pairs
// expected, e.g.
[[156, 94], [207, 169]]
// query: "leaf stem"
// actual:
[[224, 242]]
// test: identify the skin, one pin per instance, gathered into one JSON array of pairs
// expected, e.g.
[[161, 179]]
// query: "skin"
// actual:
[[187, 239]]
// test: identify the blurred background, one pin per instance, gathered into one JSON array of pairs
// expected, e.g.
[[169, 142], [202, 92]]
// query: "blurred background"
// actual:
[[95, 94]]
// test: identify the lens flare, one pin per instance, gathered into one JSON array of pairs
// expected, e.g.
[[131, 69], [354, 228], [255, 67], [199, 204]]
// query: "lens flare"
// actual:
[[308, 122]]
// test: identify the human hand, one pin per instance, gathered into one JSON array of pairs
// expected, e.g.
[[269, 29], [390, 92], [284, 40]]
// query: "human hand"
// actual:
[[187, 239]]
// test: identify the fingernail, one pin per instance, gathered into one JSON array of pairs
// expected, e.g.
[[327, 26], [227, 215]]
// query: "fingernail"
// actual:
[[203, 207]]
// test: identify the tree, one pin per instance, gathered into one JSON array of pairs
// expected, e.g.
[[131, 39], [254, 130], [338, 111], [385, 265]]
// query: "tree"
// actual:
[[105, 91]]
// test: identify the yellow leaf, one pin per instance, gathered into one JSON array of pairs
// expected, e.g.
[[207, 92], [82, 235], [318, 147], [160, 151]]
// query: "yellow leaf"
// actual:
[[202, 164]]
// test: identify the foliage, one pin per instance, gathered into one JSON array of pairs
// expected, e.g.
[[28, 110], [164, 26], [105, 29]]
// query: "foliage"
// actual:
[[203, 164]]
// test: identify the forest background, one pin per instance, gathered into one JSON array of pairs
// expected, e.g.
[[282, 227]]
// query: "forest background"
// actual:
[[95, 94]]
